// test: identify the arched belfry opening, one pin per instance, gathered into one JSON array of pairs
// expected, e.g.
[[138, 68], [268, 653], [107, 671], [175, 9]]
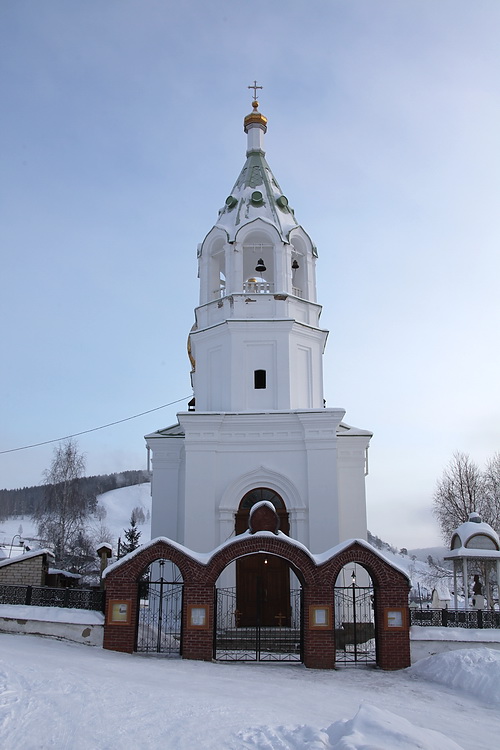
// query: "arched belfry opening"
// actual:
[[262, 581], [258, 264]]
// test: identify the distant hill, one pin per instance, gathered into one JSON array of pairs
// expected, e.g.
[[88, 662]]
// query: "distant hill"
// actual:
[[26, 500], [108, 523]]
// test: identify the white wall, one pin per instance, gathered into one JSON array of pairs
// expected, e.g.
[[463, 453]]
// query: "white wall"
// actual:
[[91, 635]]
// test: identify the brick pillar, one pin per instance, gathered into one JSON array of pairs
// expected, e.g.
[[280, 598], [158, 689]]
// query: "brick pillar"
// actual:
[[319, 643], [120, 636], [393, 644], [197, 640]]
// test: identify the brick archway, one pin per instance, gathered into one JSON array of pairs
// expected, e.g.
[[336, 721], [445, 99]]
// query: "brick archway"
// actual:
[[200, 573]]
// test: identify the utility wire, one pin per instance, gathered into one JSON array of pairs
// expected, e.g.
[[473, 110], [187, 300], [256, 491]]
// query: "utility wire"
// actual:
[[94, 429]]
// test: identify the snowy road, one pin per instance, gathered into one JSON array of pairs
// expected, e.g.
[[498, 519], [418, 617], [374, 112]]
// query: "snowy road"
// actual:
[[65, 696]]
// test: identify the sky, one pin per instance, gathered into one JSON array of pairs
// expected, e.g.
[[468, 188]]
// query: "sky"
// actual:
[[122, 135]]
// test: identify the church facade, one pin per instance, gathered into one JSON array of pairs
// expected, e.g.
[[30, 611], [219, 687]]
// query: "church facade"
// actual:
[[257, 427]]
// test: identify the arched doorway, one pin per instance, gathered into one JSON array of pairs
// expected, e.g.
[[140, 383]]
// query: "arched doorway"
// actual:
[[159, 625], [263, 594], [354, 617]]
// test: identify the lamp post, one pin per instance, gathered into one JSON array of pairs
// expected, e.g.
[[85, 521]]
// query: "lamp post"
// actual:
[[12, 542], [353, 577]]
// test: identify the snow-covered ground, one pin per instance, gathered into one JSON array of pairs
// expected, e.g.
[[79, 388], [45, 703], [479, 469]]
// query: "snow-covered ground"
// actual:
[[69, 697]]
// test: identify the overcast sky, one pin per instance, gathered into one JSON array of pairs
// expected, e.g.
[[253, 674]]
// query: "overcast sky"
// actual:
[[121, 134]]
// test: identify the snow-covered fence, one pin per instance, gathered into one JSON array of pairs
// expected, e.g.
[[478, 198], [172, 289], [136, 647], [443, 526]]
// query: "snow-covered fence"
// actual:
[[43, 596], [455, 618]]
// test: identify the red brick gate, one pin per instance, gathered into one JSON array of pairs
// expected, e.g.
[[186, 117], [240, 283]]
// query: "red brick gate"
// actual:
[[318, 578]]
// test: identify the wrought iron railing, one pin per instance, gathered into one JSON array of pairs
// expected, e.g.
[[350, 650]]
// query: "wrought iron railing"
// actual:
[[455, 618], [257, 642], [354, 625], [44, 596]]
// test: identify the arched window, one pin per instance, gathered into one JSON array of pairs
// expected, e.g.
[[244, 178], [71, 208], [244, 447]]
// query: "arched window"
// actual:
[[259, 379], [481, 541], [256, 496]]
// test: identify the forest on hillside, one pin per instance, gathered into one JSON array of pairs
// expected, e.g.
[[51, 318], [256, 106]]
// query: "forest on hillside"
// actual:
[[28, 501]]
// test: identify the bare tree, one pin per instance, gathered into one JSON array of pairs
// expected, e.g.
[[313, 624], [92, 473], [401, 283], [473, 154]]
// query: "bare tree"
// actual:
[[61, 518], [492, 490], [462, 490]]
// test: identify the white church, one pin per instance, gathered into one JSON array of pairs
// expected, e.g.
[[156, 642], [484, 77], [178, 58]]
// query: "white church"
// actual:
[[257, 427]]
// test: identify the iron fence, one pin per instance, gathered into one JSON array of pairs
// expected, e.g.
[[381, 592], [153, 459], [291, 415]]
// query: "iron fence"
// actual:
[[160, 618], [455, 618], [45, 596]]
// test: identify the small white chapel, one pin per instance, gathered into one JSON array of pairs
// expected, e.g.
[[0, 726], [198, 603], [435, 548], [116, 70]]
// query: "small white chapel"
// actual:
[[257, 427]]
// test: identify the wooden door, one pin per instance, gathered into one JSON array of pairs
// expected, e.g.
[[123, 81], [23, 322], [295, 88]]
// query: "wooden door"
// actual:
[[262, 581]]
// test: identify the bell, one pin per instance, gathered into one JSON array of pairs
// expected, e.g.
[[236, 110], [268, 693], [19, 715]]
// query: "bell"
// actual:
[[295, 265], [260, 267]]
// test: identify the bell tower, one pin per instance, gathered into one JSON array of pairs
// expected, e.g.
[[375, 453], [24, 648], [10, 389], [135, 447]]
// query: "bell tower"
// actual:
[[257, 424], [256, 343]]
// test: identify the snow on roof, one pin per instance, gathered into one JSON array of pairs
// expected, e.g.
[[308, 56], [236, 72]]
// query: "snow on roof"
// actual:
[[65, 573], [472, 553], [205, 557], [262, 504], [347, 430], [256, 175], [27, 556], [174, 430], [442, 592]]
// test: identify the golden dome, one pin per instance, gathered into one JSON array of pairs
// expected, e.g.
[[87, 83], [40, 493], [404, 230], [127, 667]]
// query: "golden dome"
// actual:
[[255, 118]]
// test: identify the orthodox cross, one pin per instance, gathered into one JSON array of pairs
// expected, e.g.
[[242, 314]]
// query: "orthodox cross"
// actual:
[[254, 87], [280, 619]]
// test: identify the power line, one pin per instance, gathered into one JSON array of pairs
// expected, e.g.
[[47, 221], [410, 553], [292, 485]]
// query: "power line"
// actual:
[[94, 429]]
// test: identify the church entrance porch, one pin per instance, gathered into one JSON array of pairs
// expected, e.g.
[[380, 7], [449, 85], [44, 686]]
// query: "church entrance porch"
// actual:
[[160, 591]]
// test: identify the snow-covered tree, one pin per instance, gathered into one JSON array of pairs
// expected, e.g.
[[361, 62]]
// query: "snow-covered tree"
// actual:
[[60, 519], [132, 536]]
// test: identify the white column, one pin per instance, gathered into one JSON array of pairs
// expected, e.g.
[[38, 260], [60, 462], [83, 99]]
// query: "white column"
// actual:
[[465, 581]]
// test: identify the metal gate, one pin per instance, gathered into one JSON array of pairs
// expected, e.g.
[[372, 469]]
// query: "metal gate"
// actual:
[[160, 610], [257, 642], [354, 625]]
